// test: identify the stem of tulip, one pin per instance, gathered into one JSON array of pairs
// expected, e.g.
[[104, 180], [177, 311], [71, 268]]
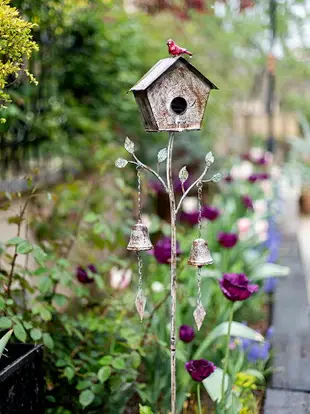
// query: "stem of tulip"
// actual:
[[198, 398], [231, 315]]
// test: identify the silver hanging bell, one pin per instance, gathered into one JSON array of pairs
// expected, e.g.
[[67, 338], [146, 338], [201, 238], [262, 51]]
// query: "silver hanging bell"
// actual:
[[200, 254], [139, 238]]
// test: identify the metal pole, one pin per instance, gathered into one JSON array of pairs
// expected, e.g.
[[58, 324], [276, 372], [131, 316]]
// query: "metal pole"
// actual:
[[271, 78], [173, 274]]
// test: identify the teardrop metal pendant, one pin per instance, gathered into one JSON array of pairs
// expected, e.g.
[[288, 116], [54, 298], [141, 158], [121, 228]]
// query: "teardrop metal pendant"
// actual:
[[199, 315], [200, 254], [139, 238]]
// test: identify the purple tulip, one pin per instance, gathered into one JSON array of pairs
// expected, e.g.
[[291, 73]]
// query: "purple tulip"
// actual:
[[186, 333], [253, 178], [200, 369], [82, 276], [247, 202], [270, 284], [210, 213], [258, 177], [236, 286], [228, 178], [162, 250], [227, 240], [190, 218]]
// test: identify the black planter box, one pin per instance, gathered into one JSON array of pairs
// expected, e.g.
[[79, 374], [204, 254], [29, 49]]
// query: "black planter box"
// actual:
[[21, 380]]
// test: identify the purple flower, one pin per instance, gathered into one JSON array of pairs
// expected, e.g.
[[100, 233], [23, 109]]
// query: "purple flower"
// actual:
[[162, 250], [190, 218], [82, 276], [258, 177], [247, 202], [228, 178], [253, 178], [259, 351], [156, 186], [200, 369], [270, 284], [227, 240], [210, 213], [186, 333], [236, 286], [269, 332]]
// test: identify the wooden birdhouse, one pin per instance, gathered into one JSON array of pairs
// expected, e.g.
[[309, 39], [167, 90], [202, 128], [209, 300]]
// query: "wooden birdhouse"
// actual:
[[172, 96]]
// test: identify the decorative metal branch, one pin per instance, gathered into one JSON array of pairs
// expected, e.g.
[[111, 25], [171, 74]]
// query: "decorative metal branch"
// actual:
[[199, 314], [171, 105]]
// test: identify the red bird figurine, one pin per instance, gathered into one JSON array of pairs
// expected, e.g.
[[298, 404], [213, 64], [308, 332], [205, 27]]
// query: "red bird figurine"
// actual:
[[175, 50]]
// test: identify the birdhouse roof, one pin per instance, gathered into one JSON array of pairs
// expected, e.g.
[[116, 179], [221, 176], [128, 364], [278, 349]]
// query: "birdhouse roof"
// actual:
[[161, 67]]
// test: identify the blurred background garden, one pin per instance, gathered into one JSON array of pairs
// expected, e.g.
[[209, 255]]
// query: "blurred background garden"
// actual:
[[66, 278]]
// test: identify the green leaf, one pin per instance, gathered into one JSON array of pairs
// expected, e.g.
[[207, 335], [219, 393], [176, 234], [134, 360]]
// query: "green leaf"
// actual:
[[45, 284], [106, 360], [24, 247], [83, 384], [104, 374], [60, 300], [4, 340], [5, 323], [39, 255], [45, 313], [36, 334], [20, 332], [15, 241], [237, 330], [213, 384], [257, 374], [91, 217], [143, 409], [118, 363], [69, 372], [86, 398], [48, 341], [267, 270]]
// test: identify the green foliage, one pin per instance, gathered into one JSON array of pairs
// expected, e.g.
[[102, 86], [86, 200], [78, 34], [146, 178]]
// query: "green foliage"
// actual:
[[16, 44]]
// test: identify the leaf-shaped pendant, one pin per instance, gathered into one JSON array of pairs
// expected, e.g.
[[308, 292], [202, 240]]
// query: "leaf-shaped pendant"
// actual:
[[199, 315], [140, 303]]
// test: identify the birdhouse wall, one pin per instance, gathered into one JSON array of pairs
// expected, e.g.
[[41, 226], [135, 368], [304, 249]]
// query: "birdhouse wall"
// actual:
[[178, 82], [144, 106]]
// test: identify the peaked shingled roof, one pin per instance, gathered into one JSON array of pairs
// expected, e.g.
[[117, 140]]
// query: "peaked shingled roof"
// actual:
[[161, 67]]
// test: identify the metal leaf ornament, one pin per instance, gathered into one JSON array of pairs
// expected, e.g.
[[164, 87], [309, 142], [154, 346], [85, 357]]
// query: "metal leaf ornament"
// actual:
[[217, 177], [209, 158], [183, 175], [162, 155], [129, 146], [121, 163]]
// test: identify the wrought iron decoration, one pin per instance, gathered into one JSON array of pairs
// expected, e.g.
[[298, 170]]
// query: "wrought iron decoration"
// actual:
[[171, 97]]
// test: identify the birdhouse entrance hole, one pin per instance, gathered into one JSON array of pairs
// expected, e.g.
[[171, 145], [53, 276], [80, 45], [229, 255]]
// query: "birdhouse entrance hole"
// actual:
[[178, 105]]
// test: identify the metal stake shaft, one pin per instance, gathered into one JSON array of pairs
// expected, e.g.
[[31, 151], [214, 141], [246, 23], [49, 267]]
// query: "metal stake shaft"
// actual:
[[173, 274]]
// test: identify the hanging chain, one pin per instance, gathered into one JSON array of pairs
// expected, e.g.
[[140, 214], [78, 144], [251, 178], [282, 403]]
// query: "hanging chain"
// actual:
[[139, 194], [199, 285], [140, 266], [199, 185]]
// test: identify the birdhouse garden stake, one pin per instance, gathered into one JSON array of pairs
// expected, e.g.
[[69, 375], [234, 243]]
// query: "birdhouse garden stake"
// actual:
[[171, 97]]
